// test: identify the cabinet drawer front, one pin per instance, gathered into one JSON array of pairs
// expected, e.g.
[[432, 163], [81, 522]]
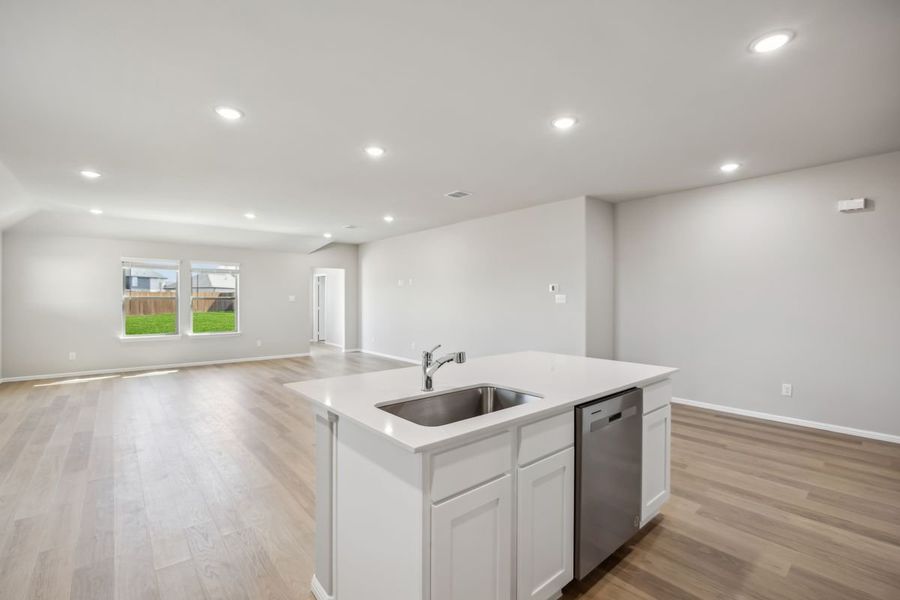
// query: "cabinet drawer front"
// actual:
[[657, 395], [459, 469], [546, 437]]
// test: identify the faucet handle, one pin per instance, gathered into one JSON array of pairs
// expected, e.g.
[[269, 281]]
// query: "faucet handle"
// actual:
[[433, 349]]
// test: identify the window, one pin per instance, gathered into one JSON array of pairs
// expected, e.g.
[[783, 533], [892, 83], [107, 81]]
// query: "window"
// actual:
[[214, 297], [149, 297]]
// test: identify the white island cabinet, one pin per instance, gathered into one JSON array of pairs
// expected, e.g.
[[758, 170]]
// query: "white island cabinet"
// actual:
[[479, 509], [656, 444]]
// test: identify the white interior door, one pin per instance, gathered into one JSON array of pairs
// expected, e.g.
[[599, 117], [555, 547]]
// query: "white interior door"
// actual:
[[319, 308]]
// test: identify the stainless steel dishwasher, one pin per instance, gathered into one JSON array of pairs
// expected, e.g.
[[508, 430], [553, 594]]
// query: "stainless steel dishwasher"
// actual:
[[608, 434]]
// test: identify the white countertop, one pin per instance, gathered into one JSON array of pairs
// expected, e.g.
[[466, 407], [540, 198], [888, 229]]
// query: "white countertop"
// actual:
[[562, 380]]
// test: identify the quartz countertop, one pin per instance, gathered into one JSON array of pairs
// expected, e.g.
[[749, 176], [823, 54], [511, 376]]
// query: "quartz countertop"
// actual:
[[561, 380]]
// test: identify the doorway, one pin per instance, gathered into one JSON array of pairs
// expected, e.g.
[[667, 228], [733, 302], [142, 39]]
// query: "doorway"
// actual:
[[319, 298], [328, 306]]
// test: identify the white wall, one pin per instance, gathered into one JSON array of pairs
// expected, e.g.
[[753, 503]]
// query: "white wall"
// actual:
[[1, 304], [346, 257], [334, 303], [750, 284], [599, 278], [481, 285], [64, 294]]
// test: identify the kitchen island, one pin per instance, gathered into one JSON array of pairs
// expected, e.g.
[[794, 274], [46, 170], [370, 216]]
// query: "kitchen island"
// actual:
[[479, 508]]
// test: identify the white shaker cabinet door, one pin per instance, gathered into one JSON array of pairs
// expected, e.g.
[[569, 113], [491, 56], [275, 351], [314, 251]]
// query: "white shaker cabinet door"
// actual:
[[546, 526], [471, 544], [655, 478]]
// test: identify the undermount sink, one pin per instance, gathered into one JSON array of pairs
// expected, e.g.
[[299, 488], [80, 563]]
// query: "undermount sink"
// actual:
[[449, 407]]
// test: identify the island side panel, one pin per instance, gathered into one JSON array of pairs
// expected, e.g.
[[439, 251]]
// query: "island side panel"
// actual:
[[379, 519], [323, 579]]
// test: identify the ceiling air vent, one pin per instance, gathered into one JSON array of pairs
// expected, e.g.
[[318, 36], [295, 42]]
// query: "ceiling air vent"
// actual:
[[458, 194]]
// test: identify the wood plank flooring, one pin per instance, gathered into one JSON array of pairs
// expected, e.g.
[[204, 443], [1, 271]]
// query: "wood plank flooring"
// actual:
[[198, 483]]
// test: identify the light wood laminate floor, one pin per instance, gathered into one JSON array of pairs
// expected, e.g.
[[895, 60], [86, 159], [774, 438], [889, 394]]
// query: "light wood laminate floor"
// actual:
[[198, 483]]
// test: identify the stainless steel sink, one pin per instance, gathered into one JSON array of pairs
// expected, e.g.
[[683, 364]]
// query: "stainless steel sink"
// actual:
[[458, 405]]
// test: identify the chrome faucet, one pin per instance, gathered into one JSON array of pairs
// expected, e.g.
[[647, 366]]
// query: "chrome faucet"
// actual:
[[430, 365]]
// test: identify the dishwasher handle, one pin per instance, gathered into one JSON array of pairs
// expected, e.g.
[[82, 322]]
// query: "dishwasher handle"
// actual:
[[610, 411], [599, 421]]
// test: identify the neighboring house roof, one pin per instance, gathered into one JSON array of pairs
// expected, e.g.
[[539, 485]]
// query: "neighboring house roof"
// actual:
[[139, 272], [218, 281]]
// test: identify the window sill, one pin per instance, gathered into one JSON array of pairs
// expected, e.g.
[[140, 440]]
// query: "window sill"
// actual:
[[150, 338], [215, 334]]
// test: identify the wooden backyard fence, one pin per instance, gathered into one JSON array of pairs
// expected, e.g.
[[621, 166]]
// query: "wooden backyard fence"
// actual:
[[155, 303]]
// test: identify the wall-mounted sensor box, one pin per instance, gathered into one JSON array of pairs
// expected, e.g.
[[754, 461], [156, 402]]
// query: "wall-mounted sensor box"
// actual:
[[553, 287], [851, 205]]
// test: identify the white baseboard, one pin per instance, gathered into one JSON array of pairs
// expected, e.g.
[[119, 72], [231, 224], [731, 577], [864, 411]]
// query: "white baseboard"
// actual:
[[318, 591], [391, 356], [333, 344], [203, 363], [864, 433]]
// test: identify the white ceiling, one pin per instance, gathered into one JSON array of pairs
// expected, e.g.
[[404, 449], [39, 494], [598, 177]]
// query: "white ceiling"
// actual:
[[460, 93]]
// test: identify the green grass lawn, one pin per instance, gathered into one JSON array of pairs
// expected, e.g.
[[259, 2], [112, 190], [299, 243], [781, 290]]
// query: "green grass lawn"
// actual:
[[213, 322], [204, 322]]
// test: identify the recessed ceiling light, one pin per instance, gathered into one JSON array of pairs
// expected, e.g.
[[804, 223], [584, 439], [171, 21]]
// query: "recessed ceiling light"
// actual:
[[564, 122], [90, 174], [388, 219], [375, 151], [771, 41], [96, 211], [228, 113], [458, 194], [249, 216], [327, 235], [730, 167]]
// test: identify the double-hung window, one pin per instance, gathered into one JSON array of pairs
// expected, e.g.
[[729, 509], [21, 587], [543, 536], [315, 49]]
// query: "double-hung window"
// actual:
[[149, 297], [214, 297]]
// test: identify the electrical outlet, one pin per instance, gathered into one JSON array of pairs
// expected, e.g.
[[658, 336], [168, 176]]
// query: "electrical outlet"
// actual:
[[787, 389], [258, 343], [412, 345], [72, 356], [292, 298], [560, 298]]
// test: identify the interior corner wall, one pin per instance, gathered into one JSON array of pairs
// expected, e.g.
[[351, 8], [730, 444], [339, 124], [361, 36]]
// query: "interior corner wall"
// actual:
[[479, 286], [63, 294], [751, 284], [599, 278], [346, 257]]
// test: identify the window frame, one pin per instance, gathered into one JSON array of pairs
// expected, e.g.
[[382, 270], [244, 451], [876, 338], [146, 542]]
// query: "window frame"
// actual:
[[168, 264], [236, 271]]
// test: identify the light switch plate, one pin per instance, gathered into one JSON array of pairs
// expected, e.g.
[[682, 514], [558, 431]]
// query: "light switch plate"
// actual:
[[560, 298], [852, 204], [787, 389]]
